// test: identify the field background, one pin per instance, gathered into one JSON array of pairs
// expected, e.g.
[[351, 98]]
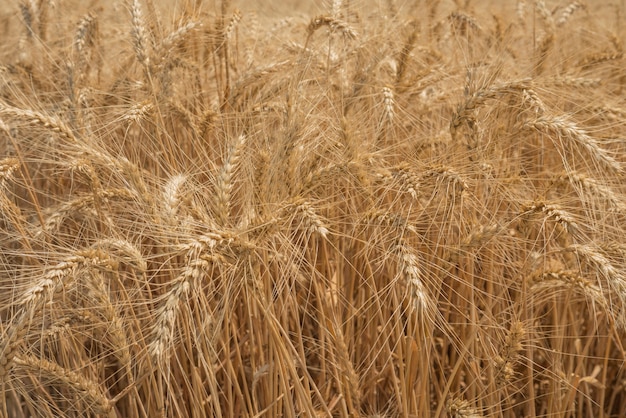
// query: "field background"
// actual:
[[312, 209]]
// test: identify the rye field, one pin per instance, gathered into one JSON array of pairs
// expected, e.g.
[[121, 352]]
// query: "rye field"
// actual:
[[357, 208]]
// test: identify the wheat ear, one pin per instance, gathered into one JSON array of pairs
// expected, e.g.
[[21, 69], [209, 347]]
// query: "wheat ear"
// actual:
[[565, 129], [88, 390]]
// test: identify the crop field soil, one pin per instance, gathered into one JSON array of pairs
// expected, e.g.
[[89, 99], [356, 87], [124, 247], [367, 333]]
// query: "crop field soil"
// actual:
[[357, 208]]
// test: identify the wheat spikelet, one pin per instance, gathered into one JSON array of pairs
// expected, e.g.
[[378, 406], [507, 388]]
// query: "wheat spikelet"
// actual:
[[592, 254], [31, 303], [349, 376], [84, 167], [615, 278], [466, 111], [408, 180], [608, 112], [9, 347], [545, 45], [81, 204], [389, 220], [577, 82], [532, 100], [520, 11], [100, 299], [545, 13], [462, 22], [449, 177], [599, 58], [54, 278], [403, 58], [85, 33]]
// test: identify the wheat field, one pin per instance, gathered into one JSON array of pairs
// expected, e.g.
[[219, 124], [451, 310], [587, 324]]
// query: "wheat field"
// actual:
[[347, 208]]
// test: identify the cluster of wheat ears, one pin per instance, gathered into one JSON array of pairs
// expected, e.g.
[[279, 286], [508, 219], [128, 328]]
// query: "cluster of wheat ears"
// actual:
[[378, 209]]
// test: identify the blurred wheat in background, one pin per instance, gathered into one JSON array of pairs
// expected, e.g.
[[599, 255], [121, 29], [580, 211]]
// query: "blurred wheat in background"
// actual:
[[336, 209]]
